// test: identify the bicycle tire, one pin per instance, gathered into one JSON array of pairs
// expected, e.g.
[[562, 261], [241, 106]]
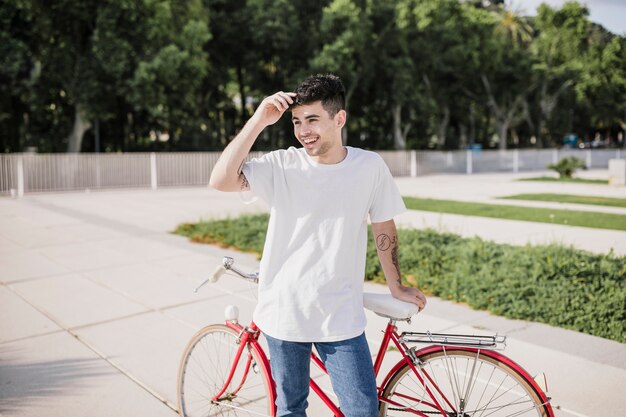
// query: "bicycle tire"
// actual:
[[475, 383], [203, 370]]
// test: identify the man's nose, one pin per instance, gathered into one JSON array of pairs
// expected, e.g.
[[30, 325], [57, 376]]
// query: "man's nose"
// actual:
[[305, 130]]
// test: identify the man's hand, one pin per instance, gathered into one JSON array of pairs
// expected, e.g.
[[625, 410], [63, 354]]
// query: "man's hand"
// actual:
[[410, 295], [272, 108]]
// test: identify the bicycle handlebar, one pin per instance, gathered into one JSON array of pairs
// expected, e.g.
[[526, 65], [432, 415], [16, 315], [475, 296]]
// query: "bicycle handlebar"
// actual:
[[227, 265]]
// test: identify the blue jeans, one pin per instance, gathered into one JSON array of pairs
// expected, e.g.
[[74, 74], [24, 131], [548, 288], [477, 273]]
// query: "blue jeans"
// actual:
[[349, 365]]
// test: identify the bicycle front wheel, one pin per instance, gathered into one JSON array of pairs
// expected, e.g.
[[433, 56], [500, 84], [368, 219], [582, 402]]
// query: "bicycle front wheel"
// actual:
[[462, 383], [204, 369]]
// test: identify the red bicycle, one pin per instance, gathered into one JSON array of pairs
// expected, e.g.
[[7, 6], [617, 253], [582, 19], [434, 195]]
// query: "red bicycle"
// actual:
[[225, 371]]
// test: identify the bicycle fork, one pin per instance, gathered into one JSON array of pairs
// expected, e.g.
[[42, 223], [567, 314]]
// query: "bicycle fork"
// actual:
[[242, 341]]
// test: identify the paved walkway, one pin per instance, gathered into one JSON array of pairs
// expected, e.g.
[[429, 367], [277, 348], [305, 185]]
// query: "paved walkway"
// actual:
[[97, 302]]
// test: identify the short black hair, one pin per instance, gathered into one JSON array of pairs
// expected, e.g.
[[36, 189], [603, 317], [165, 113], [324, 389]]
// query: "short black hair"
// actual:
[[326, 88]]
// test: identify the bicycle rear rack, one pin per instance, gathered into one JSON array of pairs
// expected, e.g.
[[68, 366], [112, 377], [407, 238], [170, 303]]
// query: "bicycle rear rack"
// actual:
[[456, 340]]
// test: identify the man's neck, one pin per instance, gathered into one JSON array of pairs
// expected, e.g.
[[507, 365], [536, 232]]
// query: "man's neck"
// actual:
[[334, 156]]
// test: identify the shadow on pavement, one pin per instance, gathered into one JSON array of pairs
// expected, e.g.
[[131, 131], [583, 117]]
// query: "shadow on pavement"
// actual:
[[23, 384]]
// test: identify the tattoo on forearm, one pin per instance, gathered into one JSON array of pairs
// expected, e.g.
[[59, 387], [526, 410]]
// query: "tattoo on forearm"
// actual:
[[244, 183], [384, 242], [394, 259]]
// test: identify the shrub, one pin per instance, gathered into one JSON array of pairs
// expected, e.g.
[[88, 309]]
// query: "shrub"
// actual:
[[553, 284], [567, 166]]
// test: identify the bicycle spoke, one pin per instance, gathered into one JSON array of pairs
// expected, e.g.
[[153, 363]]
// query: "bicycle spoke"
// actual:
[[470, 380], [452, 378]]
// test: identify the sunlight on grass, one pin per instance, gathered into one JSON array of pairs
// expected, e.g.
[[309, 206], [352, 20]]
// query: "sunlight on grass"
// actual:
[[567, 180], [569, 198], [541, 215]]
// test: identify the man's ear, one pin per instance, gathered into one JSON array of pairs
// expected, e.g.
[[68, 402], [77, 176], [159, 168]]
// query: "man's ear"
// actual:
[[340, 118]]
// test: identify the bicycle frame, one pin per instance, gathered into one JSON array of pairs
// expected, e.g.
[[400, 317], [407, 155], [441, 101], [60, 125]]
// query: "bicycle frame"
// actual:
[[438, 343], [249, 338]]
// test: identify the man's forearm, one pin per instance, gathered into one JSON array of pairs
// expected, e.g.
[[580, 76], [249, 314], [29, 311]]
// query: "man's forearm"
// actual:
[[386, 240], [225, 174]]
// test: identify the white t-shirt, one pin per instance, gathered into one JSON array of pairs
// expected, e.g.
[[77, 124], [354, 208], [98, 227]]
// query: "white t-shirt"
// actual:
[[313, 264]]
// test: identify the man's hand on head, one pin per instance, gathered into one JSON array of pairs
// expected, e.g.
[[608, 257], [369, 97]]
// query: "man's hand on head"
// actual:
[[273, 107]]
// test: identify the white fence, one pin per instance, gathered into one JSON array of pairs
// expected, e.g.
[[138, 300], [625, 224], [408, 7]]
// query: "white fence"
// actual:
[[25, 173]]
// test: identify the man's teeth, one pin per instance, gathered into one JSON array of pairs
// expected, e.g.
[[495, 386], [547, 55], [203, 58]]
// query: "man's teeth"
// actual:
[[310, 140]]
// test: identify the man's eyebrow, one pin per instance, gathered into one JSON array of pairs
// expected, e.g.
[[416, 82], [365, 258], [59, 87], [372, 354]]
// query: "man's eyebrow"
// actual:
[[310, 116]]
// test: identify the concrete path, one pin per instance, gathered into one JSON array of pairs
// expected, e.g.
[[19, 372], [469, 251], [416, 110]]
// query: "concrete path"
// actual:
[[97, 302]]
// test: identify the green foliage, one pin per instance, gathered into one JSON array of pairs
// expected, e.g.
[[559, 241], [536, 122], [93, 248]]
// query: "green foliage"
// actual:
[[246, 233], [552, 284], [566, 167], [419, 73]]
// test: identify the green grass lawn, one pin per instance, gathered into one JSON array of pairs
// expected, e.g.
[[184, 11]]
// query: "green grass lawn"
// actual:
[[541, 215], [566, 180], [569, 198]]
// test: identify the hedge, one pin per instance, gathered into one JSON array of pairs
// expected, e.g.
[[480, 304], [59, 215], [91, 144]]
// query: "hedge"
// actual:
[[553, 284]]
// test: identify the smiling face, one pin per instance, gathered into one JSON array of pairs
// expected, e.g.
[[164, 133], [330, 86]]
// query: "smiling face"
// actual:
[[319, 134]]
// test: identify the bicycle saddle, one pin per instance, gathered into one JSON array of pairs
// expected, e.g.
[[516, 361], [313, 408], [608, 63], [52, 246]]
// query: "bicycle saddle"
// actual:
[[386, 306]]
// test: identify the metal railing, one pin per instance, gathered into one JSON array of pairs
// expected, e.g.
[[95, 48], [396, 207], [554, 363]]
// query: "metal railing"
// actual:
[[29, 172]]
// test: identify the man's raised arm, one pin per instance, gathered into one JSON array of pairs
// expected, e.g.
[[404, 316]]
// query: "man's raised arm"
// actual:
[[227, 174]]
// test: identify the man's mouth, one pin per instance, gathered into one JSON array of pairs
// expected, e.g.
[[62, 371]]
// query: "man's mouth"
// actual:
[[310, 141]]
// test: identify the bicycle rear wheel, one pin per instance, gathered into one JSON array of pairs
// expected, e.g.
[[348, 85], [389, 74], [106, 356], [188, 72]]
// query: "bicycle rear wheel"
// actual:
[[464, 383], [204, 368]]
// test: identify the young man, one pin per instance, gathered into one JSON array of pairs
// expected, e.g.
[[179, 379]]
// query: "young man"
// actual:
[[311, 274]]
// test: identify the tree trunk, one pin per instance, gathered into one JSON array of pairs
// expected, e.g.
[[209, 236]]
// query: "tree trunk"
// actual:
[[503, 128], [472, 135], [81, 125], [462, 136], [503, 117], [539, 137], [399, 141], [547, 104], [242, 93], [443, 128]]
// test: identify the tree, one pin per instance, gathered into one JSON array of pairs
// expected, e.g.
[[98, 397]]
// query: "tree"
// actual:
[[170, 71], [601, 88], [505, 76], [557, 50], [419, 73], [18, 72], [88, 51], [348, 43]]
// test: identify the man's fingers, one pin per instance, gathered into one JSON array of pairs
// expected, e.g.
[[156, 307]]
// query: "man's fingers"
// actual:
[[287, 96], [280, 103], [421, 301], [281, 100]]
